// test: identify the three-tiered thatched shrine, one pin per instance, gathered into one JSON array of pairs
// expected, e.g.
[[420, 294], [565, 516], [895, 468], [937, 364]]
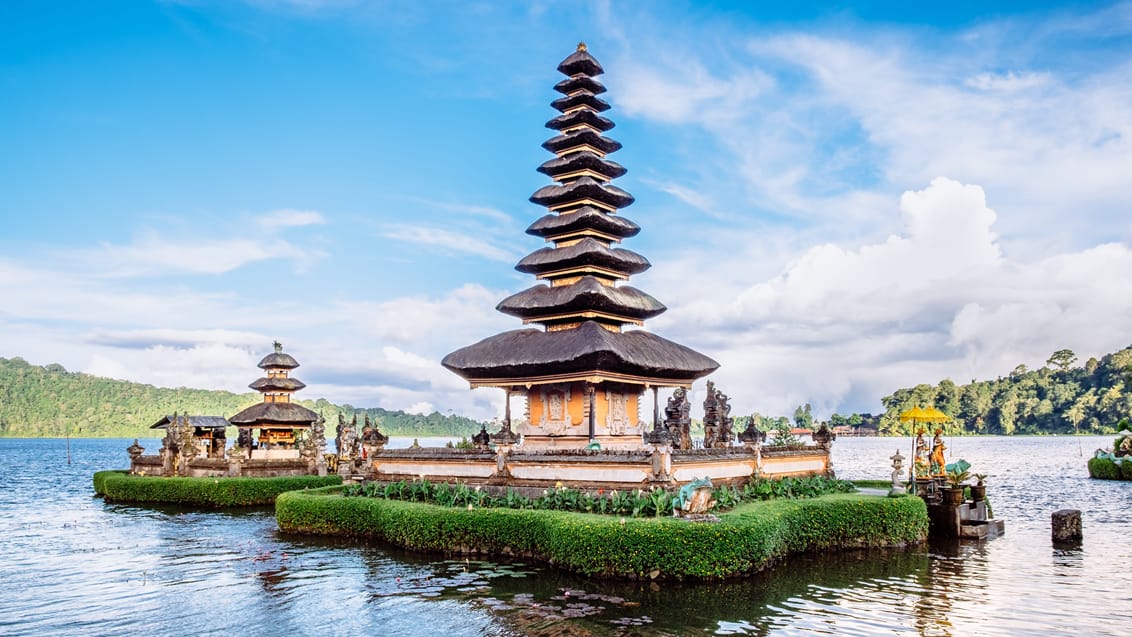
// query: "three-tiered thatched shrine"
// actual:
[[582, 373], [278, 420]]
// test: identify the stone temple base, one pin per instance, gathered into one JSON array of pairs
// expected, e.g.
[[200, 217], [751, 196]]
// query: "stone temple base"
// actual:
[[593, 469], [222, 467]]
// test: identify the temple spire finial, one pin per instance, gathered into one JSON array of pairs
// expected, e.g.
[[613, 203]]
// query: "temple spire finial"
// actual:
[[278, 347], [581, 46]]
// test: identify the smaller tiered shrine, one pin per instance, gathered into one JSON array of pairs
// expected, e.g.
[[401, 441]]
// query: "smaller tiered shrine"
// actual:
[[279, 422]]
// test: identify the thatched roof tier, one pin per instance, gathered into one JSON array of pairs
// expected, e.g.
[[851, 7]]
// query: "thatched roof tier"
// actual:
[[200, 422], [588, 251], [581, 189], [579, 83], [583, 160], [585, 313], [579, 118], [286, 414], [581, 98], [584, 218], [584, 137], [580, 62], [585, 294], [277, 384], [278, 360], [587, 352]]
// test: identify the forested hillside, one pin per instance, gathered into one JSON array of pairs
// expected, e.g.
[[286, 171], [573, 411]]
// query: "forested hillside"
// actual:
[[48, 401], [1058, 398]]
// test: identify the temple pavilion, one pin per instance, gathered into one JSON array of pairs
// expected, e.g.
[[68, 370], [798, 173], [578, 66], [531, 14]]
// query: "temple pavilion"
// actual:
[[278, 420], [587, 364]]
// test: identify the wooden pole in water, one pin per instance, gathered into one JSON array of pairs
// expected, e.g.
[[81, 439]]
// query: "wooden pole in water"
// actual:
[[68, 445]]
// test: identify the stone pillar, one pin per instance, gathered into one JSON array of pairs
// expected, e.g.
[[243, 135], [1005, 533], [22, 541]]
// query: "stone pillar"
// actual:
[[661, 461], [1066, 526], [502, 450]]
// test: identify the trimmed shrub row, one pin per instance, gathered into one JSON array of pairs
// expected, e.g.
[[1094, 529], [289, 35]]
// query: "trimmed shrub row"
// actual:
[[120, 486], [1105, 468], [630, 502], [747, 539]]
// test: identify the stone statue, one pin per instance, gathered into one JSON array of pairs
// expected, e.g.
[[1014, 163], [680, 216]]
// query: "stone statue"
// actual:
[[482, 440], [339, 434], [677, 419], [244, 438], [751, 435], [725, 434], [824, 436], [350, 442], [938, 463], [189, 444], [897, 474], [921, 465], [717, 419], [694, 498], [179, 446]]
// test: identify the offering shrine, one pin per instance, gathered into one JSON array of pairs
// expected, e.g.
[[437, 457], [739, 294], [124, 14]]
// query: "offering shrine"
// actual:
[[584, 370], [280, 422]]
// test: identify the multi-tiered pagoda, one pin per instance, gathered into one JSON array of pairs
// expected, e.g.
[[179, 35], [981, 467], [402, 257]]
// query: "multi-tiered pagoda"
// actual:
[[278, 419], [582, 372]]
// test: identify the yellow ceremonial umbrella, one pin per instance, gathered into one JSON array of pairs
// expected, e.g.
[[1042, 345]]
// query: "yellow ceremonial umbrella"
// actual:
[[918, 415], [913, 415], [931, 414]]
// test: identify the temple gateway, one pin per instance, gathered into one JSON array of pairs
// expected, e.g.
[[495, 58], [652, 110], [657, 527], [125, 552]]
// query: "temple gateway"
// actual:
[[582, 373]]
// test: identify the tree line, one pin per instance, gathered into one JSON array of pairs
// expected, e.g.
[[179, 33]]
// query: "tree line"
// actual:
[[49, 401], [1058, 398]]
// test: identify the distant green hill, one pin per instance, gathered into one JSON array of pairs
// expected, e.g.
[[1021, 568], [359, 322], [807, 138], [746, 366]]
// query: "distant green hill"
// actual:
[[47, 401], [1059, 398]]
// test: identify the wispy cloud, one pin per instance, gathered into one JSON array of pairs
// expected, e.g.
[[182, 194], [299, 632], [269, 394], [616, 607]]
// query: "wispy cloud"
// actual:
[[287, 218], [167, 337], [469, 209], [152, 255], [449, 241]]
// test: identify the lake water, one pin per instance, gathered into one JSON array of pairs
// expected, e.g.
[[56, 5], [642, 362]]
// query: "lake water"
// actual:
[[73, 564]]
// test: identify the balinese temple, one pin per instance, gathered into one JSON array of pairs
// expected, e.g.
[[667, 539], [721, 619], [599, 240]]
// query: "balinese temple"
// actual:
[[279, 421], [586, 364]]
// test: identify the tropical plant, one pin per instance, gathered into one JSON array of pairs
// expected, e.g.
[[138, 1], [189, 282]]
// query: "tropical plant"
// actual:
[[958, 472]]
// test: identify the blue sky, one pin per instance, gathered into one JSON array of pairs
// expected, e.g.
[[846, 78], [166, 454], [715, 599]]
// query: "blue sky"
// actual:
[[837, 203]]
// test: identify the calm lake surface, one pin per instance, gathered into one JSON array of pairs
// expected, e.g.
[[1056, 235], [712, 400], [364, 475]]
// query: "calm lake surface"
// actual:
[[73, 564]]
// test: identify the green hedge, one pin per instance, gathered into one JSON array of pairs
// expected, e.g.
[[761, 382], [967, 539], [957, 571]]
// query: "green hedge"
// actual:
[[120, 486], [747, 539], [1106, 469]]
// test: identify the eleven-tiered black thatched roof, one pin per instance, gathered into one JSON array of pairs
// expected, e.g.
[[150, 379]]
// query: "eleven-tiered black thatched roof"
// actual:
[[583, 307]]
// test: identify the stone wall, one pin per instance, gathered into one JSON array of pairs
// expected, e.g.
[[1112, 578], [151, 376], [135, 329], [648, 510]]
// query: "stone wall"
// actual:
[[527, 468]]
